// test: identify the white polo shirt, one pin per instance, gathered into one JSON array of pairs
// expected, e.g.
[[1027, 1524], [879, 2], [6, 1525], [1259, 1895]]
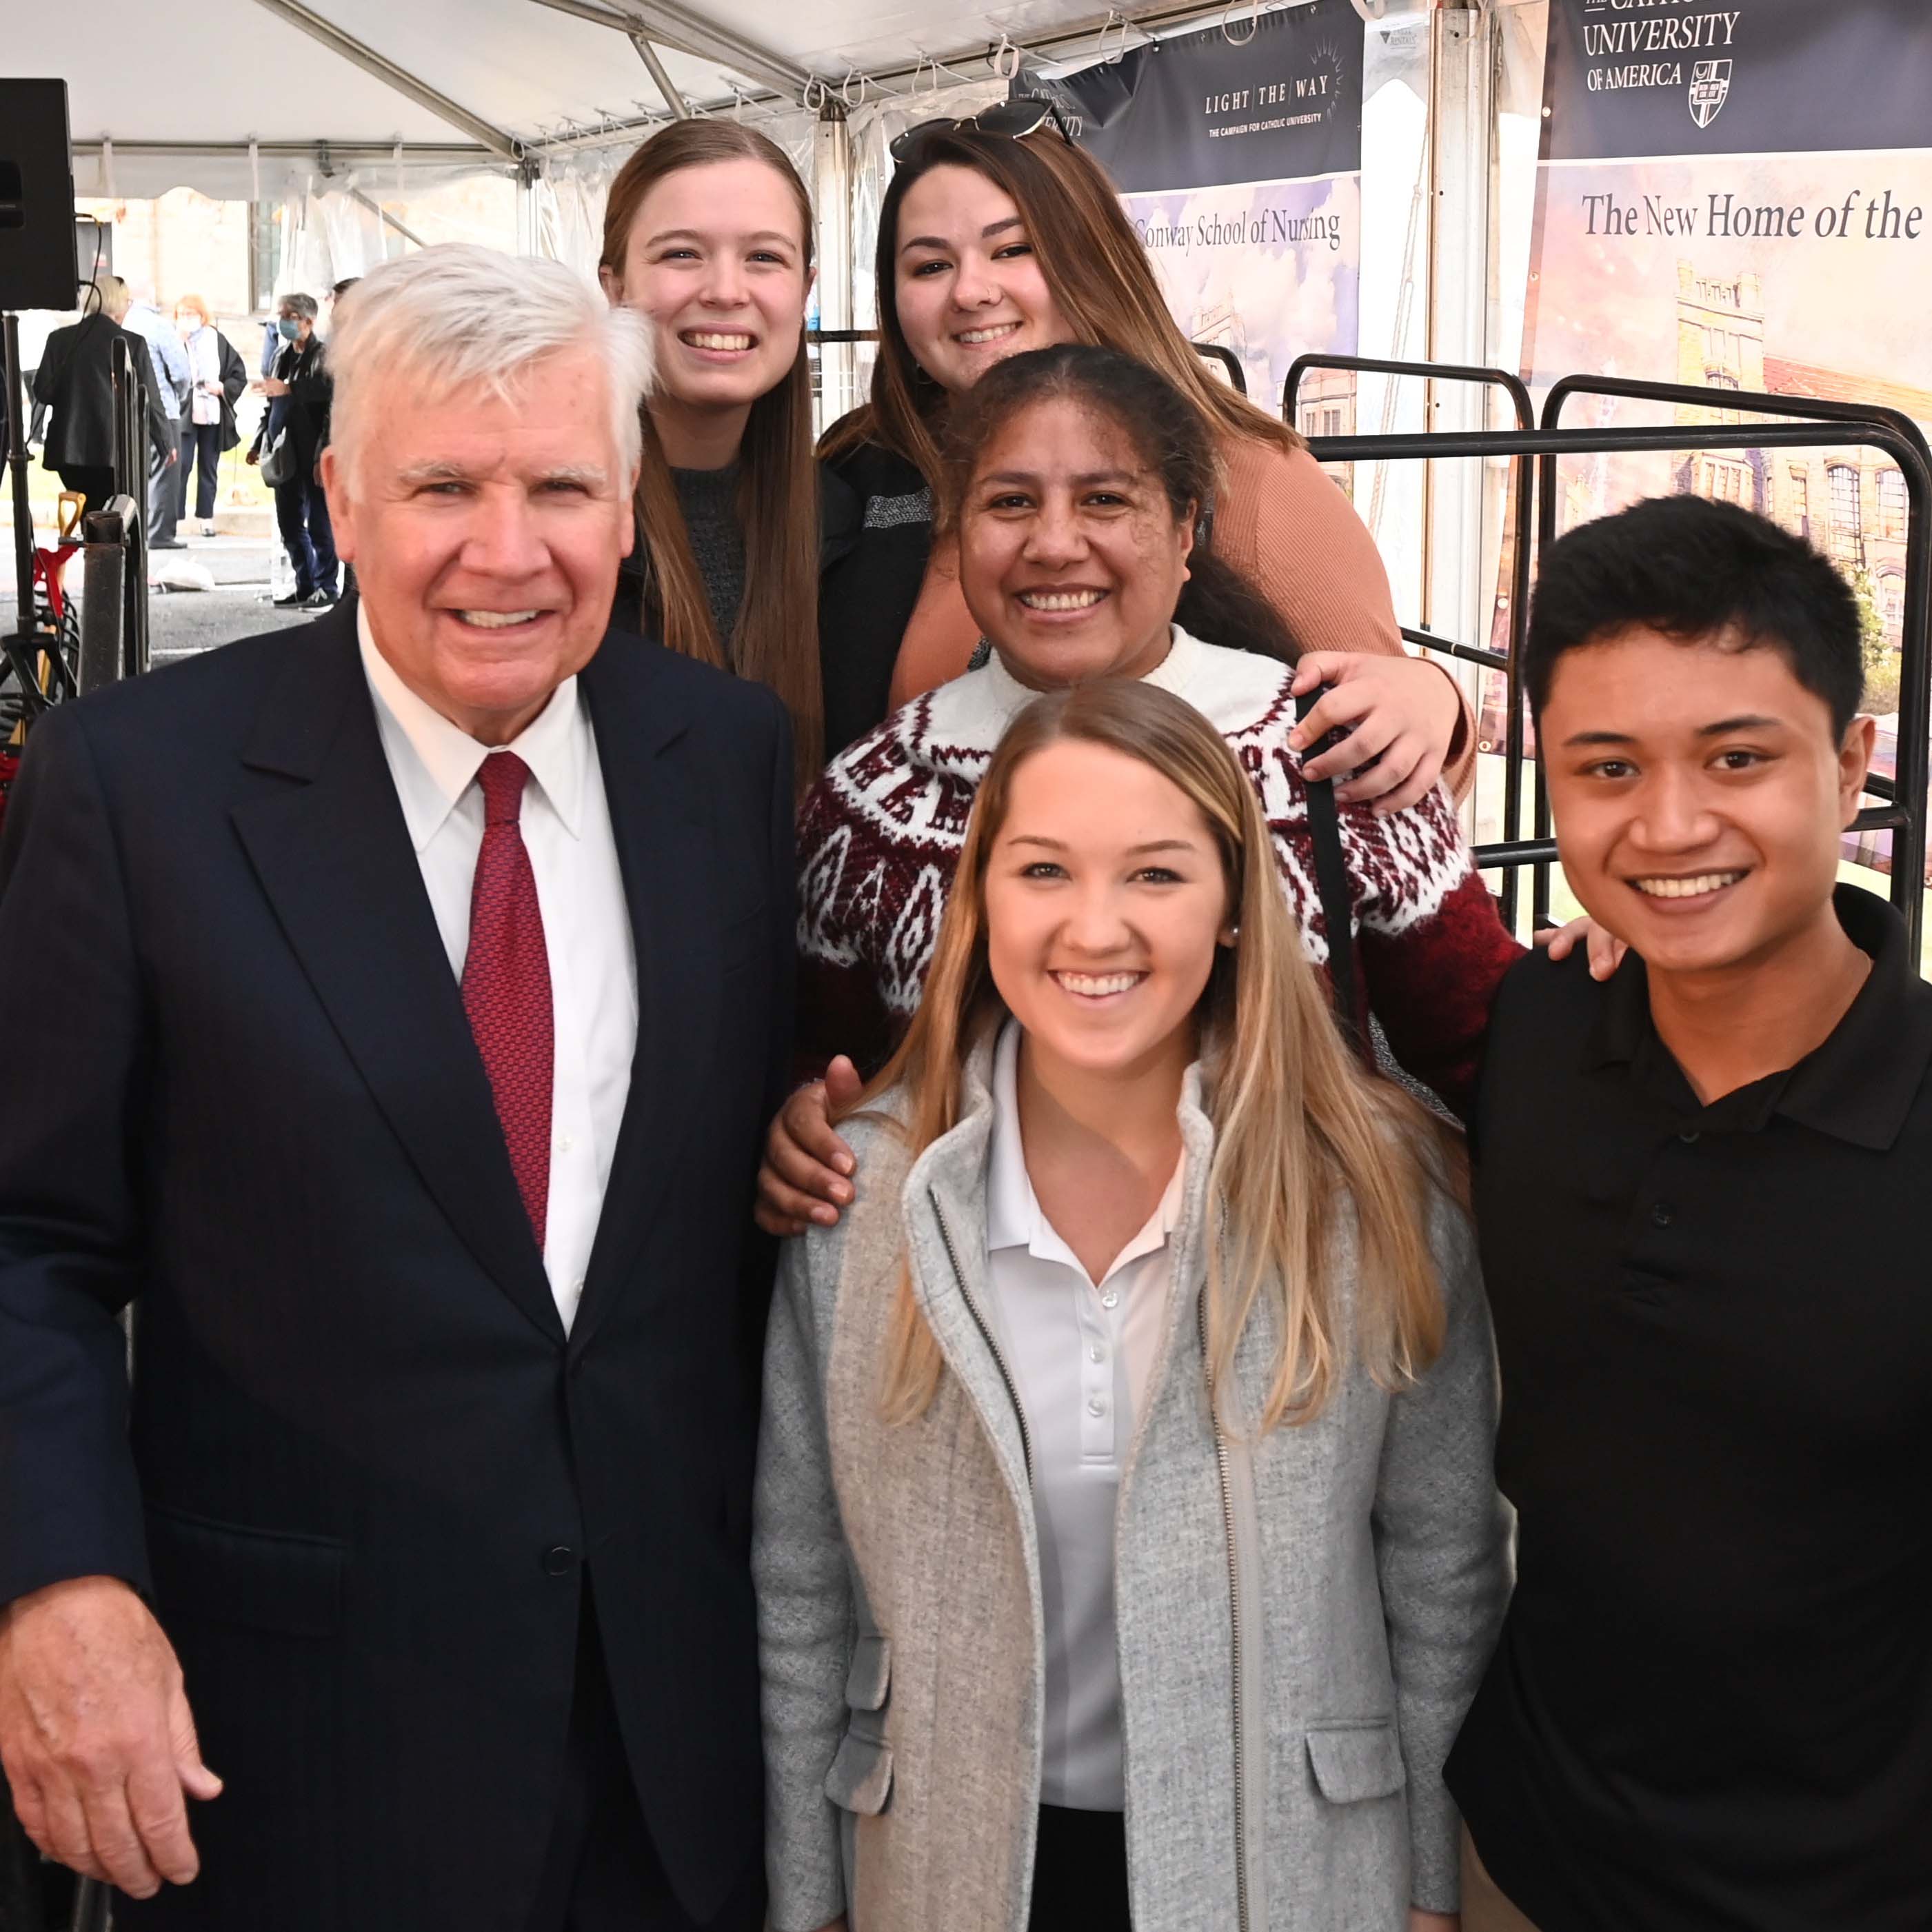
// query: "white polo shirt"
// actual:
[[1082, 1354]]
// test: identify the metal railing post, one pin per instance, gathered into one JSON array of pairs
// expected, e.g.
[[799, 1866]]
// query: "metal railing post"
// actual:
[[103, 602], [15, 399], [1521, 495]]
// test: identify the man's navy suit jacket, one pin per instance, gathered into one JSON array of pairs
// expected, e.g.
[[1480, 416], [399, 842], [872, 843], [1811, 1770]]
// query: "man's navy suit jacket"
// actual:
[[363, 1473]]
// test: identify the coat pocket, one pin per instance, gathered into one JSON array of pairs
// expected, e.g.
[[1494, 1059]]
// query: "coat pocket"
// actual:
[[1355, 1761], [262, 1579], [871, 1677], [860, 1780]]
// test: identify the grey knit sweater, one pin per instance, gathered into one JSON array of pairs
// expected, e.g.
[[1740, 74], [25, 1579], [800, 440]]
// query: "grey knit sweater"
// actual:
[[709, 500]]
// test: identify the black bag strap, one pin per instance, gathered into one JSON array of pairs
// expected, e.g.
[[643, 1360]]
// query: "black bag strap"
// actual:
[[1331, 882]]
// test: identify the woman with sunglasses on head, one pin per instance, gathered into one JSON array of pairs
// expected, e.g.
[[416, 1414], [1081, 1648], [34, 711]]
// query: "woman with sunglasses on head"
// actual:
[[1073, 489], [708, 234], [998, 235], [1126, 1547]]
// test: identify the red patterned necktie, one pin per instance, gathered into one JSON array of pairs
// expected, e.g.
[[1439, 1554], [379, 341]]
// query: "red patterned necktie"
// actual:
[[506, 983]]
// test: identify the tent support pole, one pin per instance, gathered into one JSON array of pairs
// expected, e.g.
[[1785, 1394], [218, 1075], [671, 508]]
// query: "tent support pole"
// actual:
[[670, 24], [832, 198], [375, 208], [404, 83], [661, 78]]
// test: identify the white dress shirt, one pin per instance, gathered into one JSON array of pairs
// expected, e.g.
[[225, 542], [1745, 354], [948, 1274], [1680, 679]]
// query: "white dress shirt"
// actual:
[[1082, 1354], [593, 967]]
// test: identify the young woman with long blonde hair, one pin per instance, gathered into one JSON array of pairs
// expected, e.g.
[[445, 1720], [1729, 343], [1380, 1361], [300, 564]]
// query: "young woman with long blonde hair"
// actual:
[[708, 233], [997, 236], [1126, 1542]]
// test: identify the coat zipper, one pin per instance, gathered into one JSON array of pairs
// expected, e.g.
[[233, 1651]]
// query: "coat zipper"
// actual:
[[1234, 1625], [999, 1359]]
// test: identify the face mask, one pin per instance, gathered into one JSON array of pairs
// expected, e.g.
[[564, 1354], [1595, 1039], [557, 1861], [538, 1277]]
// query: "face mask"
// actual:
[[288, 328], [186, 324]]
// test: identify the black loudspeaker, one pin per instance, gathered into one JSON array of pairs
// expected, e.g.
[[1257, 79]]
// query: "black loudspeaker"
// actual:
[[37, 233]]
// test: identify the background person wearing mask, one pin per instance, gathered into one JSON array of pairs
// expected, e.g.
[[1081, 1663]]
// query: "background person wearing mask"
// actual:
[[299, 394], [174, 385], [707, 233], [208, 428], [75, 381]]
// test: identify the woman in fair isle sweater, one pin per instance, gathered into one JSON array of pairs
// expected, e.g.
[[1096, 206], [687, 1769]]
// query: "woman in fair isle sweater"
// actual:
[[1075, 479]]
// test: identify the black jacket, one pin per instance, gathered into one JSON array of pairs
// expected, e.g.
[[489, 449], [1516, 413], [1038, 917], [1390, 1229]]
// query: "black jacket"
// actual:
[[869, 579], [234, 380], [304, 410], [364, 1471], [877, 518], [75, 380]]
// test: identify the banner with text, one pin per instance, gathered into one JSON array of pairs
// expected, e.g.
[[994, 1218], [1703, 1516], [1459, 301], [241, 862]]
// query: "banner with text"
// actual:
[[1239, 161], [1737, 194]]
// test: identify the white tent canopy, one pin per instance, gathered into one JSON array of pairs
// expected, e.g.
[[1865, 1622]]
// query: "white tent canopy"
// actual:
[[230, 97]]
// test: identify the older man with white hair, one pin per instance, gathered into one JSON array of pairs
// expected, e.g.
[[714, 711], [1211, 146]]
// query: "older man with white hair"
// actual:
[[405, 997]]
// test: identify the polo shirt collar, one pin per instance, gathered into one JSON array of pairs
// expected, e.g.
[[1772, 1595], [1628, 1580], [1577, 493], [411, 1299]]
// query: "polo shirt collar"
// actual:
[[434, 761], [1858, 1086], [1014, 1219]]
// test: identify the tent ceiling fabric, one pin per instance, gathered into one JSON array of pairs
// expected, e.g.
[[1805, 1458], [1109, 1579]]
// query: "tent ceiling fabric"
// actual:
[[244, 72]]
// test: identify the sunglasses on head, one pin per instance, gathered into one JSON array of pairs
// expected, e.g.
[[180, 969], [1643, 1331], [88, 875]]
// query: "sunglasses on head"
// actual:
[[1015, 119]]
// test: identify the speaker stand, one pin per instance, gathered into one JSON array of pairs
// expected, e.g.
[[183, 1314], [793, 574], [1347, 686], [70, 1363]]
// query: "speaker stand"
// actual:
[[17, 464]]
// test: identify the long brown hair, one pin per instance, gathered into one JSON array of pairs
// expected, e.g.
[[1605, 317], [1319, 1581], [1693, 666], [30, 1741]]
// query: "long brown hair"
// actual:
[[1094, 266], [1307, 1142], [776, 640]]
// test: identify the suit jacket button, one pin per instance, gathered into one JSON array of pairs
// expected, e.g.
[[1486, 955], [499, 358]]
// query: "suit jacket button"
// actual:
[[557, 1561]]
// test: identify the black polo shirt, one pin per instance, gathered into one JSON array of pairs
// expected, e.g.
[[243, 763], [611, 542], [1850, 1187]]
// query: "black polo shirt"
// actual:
[[1712, 1705]]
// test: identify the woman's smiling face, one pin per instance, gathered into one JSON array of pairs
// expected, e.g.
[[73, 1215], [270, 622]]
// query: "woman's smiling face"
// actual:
[[715, 260], [1105, 902], [1071, 558], [969, 289]]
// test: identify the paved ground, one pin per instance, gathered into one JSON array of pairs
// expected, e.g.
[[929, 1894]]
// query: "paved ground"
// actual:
[[182, 621]]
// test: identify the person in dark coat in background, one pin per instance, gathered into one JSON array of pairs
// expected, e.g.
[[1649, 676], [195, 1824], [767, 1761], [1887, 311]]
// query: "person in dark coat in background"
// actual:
[[299, 395], [75, 380]]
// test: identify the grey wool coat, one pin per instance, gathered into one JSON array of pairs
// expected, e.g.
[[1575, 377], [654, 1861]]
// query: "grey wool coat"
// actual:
[[1302, 1617]]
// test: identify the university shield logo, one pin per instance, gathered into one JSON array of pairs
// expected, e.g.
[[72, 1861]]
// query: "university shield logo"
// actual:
[[1710, 82]]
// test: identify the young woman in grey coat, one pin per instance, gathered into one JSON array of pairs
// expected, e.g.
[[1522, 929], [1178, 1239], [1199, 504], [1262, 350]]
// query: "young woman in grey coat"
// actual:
[[1126, 1542]]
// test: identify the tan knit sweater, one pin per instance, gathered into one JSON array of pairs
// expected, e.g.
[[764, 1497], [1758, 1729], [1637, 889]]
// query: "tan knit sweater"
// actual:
[[1286, 526]]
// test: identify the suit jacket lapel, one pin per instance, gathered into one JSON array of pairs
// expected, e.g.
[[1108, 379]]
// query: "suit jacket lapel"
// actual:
[[664, 852], [333, 856]]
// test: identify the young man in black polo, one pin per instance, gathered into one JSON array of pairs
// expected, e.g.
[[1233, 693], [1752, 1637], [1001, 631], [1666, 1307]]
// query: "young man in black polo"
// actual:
[[1704, 1190]]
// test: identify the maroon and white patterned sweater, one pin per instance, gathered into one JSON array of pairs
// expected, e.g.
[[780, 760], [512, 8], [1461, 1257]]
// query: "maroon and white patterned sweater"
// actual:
[[880, 836]]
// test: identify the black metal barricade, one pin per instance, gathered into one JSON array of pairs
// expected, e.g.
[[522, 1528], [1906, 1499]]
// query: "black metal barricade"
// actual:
[[130, 480], [1231, 363], [1522, 501], [1819, 425]]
